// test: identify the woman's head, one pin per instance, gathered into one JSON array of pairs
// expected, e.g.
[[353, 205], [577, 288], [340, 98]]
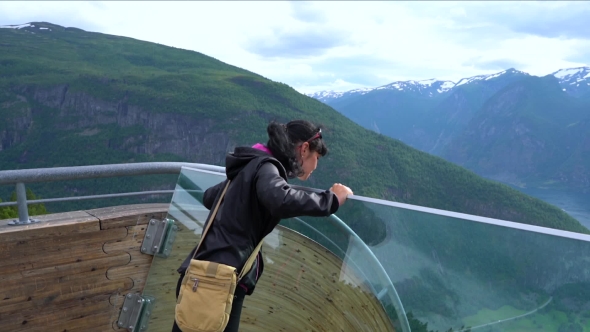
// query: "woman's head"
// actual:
[[297, 145]]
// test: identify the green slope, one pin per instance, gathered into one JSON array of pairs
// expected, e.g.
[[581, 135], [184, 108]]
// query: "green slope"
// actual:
[[48, 77]]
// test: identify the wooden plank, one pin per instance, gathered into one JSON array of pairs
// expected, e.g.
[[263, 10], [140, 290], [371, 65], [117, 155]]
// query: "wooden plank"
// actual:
[[66, 256], [129, 215], [131, 242], [47, 248], [75, 315], [77, 221], [137, 268], [62, 271], [54, 289], [131, 245], [85, 294], [91, 322]]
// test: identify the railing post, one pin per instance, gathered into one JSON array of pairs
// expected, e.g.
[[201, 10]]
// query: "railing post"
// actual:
[[21, 203], [21, 200]]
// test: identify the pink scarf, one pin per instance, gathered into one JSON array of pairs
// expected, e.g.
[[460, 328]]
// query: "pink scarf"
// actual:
[[261, 147]]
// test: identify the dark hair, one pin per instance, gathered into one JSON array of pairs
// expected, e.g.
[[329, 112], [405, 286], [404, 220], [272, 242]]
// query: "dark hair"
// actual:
[[284, 138]]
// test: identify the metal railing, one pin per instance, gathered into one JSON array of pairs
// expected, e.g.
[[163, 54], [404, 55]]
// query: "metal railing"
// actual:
[[36, 175]]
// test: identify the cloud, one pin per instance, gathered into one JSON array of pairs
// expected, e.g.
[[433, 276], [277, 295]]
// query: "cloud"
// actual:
[[572, 25], [493, 64], [306, 12], [582, 57], [308, 42], [343, 45], [561, 19]]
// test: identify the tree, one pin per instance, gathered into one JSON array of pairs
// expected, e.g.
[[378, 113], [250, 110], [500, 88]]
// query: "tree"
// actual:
[[8, 212]]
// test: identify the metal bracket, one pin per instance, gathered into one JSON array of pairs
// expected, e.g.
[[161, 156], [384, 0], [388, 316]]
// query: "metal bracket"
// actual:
[[135, 313], [26, 222], [159, 236]]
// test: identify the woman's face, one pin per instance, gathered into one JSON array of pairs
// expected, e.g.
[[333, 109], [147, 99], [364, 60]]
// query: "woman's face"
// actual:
[[309, 160]]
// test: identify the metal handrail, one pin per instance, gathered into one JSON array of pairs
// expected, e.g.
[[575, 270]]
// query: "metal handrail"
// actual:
[[34, 175], [80, 198], [20, 177]]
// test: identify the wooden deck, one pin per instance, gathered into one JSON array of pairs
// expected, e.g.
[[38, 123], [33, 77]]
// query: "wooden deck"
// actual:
[[71, 271]]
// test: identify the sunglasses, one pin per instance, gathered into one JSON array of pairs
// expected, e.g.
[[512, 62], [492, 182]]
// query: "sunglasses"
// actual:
[[318, 135]]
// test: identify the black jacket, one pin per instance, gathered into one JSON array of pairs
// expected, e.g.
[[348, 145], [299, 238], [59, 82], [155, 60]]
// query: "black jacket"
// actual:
[[257, 198]]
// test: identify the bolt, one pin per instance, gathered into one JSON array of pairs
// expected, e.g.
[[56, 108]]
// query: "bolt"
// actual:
[[148, 236], [131, 327], [129, 296], [143, 249], [125, 309], [120, 323], [152, 222]]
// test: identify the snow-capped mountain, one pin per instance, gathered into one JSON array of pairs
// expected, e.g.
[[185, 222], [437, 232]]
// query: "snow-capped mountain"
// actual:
[[17, 26], [324, 96], [488, 77], [31, 27], [574, 81], [429, 87]]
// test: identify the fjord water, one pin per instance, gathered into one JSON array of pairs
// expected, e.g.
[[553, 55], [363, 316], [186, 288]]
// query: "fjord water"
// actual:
[[576, 205]]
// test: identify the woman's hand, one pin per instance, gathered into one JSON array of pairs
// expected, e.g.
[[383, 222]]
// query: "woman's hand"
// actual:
[[341, 192]]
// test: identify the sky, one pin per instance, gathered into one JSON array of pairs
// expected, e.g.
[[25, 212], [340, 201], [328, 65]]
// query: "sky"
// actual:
[[330, 45]]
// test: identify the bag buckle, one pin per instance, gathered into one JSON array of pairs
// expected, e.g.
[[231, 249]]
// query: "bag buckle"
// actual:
[[196, 284]]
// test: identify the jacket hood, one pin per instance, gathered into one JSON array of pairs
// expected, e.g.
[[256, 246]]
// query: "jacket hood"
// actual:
[[237, 160]]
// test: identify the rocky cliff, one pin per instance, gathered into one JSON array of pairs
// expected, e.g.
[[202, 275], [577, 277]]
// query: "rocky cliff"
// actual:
[[192, 138]]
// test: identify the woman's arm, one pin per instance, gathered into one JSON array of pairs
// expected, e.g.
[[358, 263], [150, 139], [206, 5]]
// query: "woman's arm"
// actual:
[[211, 194], [284, 202]]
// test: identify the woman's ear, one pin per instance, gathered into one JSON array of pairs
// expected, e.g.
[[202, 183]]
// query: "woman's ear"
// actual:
[[304, 149]]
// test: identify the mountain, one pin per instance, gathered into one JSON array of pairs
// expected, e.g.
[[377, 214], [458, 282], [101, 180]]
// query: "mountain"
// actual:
[[72, 97], [450, 124], [429, 88], [527, 132], [452, 114], [424, 115], [574, 81], [326, 96]]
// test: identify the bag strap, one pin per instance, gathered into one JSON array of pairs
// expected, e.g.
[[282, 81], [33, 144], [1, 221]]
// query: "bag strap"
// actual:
[[212, 218], [250, 261], [252, 257]]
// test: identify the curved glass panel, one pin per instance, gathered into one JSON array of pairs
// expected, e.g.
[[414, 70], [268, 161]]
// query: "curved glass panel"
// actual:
[[458, 273], [316, 276], [452, 272]]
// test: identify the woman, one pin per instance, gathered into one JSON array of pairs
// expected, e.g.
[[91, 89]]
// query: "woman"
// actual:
[[259, 197]]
